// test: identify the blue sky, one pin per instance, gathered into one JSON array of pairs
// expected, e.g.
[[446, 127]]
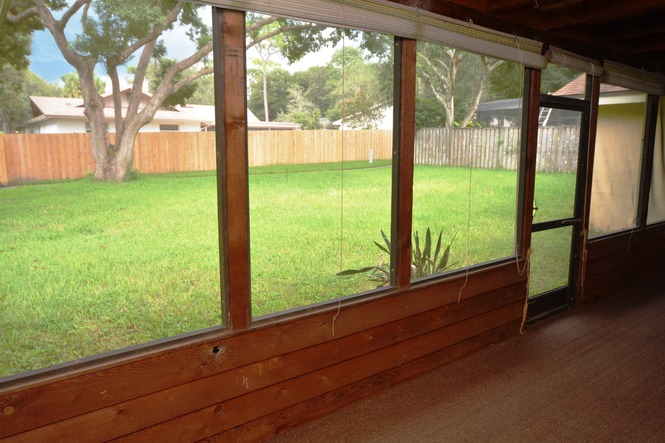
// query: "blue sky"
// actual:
[[47, 61]]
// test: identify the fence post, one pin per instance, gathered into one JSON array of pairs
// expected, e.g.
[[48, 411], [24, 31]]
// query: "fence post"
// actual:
[[4, 174]]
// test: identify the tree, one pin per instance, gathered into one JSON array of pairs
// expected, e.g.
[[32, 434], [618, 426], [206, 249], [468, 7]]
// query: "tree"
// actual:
[[318, 86], [15, 88], [204, 92], [438, 68], [301, 110], [358, 90], [72, 85], [555, 77], [16, 27], [280, 81], [264, 65], [117, 31], [11, 82]]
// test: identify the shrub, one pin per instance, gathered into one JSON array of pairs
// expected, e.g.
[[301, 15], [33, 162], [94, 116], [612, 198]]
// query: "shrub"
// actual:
[[425, 261]]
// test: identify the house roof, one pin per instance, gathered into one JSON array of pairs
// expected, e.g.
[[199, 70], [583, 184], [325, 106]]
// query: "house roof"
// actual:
[[46, 108], [577, 87]]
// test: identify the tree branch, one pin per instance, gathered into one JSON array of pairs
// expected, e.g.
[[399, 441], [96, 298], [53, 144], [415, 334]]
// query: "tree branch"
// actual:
[[197, 75], [279, 31], [153, 34], [261, 23], [73, 9], [57, 30], [30, 12]]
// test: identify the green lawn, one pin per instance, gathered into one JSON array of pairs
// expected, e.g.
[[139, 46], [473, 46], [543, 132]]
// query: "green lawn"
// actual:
[[90, 267]]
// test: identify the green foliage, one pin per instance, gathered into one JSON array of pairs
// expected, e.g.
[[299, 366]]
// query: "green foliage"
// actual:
[[358, 90], [156, 73], [117, 24], [425, 260], [554, 77], [505, 82], [318, 86], [301, 110], [204, 94], [456, 79], [16, 37], [15, 88], [429, 113], [279, 83], [72, 85], [430, 261]]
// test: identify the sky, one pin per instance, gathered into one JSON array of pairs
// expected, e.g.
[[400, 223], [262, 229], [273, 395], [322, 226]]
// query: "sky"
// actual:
[[47, 61]]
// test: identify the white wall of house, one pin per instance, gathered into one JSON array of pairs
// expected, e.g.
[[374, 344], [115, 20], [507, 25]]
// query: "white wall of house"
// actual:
[[64, 126], [183, 126]]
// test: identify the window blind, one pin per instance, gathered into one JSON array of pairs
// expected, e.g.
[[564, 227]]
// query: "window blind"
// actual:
[[633, 78], [400, 20], [567, 59]]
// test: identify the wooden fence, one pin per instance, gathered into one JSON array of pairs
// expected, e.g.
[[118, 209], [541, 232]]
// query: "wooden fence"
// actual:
[[496, 148], [31, 157]]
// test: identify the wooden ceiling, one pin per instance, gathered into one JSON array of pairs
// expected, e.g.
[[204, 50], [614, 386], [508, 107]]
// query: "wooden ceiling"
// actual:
[[627, 31]]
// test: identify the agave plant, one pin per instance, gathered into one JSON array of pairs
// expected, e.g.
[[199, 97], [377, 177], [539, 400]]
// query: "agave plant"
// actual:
[[424, 261]]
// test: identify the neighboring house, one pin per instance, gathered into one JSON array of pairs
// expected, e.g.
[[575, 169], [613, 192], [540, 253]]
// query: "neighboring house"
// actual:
[[507, 112], [65, 115], [384, 121]]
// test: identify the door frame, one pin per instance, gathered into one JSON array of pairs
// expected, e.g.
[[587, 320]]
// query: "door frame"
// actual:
[[560, 299]]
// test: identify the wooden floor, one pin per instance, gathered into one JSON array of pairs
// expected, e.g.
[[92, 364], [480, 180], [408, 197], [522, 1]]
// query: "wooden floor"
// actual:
[[596, 374]]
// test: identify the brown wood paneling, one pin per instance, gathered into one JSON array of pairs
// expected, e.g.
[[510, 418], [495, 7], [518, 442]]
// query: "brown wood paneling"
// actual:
[[111, 422], [279, 421], [615, 262], [623, 261], [625, 241], [220, 417], [159, 369]]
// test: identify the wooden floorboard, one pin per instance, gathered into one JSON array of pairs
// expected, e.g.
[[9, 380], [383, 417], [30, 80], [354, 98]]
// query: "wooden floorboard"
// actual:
[[592, 374]]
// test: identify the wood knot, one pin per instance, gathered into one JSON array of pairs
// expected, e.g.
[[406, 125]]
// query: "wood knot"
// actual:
[[8, 410]]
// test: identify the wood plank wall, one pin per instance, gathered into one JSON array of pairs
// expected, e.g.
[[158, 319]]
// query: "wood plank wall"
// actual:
[[253, 383], [624, 261]]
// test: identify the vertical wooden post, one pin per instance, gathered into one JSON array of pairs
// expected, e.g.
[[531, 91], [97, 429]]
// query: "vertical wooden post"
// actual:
[[232, 172], [404, 129], [650, 125], [528, 160], [594, 97]]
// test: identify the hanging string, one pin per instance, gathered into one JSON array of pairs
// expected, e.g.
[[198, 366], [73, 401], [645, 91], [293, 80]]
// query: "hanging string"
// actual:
[[341, 212], [526, 269], [468, 220]]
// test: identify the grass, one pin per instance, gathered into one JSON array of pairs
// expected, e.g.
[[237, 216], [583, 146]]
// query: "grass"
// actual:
[[90, 267]]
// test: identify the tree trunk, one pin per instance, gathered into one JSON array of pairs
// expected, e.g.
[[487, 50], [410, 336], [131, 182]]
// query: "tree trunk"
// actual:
[[114, 161], [265, 97]]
